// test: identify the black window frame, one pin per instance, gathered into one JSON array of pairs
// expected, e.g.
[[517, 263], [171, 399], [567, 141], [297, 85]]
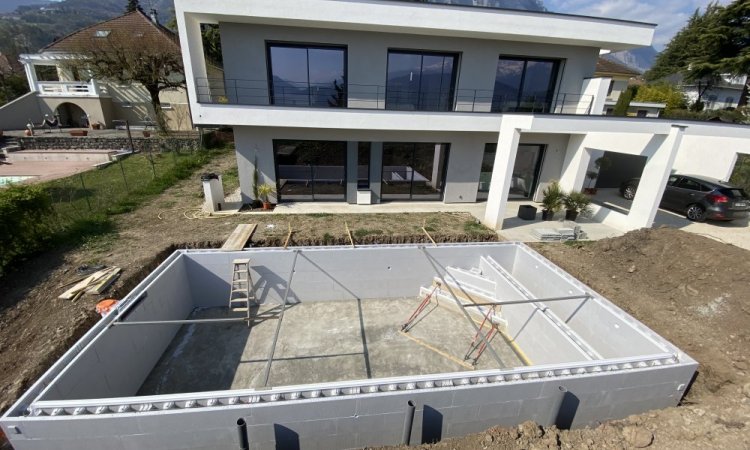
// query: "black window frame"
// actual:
[[551, 89], [454, 74], [442, 173], [280, 196], [308, 46]]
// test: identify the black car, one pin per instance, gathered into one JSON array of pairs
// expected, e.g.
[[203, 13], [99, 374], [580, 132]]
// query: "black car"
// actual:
[[698, 197]]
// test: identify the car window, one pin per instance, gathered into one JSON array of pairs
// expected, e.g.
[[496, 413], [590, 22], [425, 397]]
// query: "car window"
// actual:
[[672, 180], [687, 183], [733, 193]]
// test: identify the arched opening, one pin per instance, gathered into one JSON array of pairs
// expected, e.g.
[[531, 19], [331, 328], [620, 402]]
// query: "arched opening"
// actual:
[[72, 115]]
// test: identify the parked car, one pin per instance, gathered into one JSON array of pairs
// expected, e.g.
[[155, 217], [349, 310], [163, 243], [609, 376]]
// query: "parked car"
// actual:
[[698, 197]]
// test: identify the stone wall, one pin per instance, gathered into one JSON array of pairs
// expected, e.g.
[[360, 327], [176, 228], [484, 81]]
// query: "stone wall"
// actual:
[[108, 143]]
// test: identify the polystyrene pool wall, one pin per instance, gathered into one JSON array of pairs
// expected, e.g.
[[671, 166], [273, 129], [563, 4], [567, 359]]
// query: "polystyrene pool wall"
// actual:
[[355, 413]]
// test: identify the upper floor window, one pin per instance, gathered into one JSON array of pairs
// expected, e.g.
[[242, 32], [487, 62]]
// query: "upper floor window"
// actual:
[[306, 75], [421, 81], [611, 88], [524, 85]]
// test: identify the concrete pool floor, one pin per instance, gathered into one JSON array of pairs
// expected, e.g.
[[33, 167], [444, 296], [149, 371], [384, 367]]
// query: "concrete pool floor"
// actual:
[[319, 342]]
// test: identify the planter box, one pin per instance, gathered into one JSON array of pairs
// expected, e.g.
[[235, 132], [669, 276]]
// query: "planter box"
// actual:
[[526, 212], [79, 133]]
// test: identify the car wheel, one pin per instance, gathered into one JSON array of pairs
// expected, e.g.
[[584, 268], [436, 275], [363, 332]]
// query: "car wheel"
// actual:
[[629, 192], [696, 213]]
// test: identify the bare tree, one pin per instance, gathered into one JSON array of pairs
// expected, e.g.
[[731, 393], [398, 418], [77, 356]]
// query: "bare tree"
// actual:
[[151, 59]]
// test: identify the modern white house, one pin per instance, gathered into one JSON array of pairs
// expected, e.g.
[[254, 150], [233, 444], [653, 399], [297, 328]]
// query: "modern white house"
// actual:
[[366, 101]]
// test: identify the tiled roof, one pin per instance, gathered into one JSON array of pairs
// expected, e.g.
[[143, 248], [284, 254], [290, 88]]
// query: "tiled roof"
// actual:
[[135, 23], [607, 66]]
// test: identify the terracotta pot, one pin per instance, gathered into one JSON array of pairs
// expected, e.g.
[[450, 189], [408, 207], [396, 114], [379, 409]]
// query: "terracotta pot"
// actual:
[[79, 133], [267, 206], [146, 134], [590, 191]]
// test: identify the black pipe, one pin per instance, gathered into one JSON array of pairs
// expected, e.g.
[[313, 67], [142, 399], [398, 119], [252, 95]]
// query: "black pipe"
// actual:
[[242, 434], [408, 422]]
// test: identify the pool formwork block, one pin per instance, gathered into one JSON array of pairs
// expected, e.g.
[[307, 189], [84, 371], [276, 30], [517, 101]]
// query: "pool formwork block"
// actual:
[[140, 377]]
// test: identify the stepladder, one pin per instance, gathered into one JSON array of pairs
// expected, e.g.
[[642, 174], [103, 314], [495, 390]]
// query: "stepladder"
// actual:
[[242, 296]]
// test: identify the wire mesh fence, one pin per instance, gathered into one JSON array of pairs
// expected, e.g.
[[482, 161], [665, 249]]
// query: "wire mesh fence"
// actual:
[[116, 187]]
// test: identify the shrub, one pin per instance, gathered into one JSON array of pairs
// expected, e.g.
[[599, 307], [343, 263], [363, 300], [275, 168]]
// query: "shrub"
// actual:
[[26, 222]]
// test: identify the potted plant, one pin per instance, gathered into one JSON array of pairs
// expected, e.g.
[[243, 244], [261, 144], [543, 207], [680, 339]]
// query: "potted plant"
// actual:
[[601, 163], [264, 190], [576, 203], [552, 200]]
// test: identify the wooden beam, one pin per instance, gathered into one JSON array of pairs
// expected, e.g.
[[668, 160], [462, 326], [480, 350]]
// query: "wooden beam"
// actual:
[[349, 233], [288, 236], [239, 237]]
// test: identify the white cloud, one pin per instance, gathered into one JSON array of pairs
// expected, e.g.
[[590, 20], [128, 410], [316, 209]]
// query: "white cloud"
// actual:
[[669, 15]]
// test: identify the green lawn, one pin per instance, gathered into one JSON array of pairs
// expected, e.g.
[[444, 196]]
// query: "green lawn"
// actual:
[[121, 186]]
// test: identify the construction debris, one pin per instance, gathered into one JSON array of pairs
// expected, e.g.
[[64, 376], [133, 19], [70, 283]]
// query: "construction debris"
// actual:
[[96, 283]]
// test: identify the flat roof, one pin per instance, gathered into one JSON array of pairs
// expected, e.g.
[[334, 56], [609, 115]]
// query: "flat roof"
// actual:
[[428, 19]]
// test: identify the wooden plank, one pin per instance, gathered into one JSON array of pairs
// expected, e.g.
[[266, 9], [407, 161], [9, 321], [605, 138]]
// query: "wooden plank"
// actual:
[[105, 282], [239, 237], [83, 285]]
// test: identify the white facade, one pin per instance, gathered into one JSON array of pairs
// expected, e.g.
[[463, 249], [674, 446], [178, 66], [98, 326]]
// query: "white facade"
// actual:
[[727, 93], [559, 139]]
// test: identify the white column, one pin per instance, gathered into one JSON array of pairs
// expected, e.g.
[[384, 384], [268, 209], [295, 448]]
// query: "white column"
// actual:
[[30, 75], [191, 44], [575, 164], [593, 96], [502, 171], [654, 180]]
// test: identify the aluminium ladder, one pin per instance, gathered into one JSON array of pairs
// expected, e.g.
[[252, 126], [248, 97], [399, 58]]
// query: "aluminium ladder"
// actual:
[[241, 295]]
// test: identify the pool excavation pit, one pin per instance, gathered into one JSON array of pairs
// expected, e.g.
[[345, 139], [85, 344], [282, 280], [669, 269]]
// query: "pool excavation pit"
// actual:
[[340, 347]]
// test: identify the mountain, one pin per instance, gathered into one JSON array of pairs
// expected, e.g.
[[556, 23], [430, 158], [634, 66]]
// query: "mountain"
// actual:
[[7, 6], [640, 59]]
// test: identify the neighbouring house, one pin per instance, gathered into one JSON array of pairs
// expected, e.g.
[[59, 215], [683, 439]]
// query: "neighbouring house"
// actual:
[[621, 77], [373, 101], [80, 101], [729, 92]]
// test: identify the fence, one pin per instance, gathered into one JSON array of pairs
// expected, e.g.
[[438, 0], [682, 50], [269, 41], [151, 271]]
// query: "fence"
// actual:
[[119, 186]]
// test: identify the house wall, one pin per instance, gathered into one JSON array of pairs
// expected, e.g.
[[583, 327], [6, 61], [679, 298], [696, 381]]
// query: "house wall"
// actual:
[[464, 161], [244, 52], [98, 109], [16, 114], [133, 103]]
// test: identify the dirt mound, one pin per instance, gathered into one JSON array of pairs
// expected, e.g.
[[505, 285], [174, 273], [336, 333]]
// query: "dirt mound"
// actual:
[[692, 290]]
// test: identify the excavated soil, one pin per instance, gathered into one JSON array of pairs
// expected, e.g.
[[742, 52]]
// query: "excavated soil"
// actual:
[[695, 292]]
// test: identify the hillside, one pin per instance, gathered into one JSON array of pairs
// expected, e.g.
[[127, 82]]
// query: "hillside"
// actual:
[[30, 28]]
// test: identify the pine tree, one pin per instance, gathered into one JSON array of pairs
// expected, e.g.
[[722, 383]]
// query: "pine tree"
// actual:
[[133, 6]]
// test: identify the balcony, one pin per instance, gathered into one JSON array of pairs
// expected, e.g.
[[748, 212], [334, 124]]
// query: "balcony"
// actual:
[[71, 89], [375, 97]]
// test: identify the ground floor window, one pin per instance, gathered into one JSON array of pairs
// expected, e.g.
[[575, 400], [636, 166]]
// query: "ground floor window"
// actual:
[[525, 171], [413, 171], [310, 170]]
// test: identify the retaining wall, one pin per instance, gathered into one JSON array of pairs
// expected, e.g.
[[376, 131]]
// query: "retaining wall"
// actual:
[[64, 142]]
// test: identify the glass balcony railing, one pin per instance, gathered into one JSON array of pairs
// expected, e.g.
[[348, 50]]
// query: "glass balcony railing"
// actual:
[[360, 96]]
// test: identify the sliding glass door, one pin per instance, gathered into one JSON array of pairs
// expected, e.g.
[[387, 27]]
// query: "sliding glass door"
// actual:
[[301, 75], [525, 171], [524, 85], [420, 81], [310, 170], [413, 171]]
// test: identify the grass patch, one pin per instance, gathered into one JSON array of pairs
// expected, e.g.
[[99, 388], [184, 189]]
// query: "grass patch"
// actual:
[[231, 179], [474, 227], [362, 232], [320, 215]]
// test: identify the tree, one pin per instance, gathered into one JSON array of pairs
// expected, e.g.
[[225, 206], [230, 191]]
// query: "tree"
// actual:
[[152, 60], [623, 102], [133, 6], [712, 44], [662, 93]]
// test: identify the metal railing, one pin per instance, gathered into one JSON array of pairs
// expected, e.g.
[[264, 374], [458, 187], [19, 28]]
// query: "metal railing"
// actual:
[[368, 96]]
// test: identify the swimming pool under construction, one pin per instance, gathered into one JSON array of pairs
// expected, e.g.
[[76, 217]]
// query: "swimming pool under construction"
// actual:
[[338, 347]]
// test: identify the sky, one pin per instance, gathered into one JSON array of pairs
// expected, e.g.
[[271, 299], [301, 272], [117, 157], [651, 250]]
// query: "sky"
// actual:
[[669, 15]]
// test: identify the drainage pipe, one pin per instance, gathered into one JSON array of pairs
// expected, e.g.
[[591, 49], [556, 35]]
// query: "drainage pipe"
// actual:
[[244, 443], [408, 422]]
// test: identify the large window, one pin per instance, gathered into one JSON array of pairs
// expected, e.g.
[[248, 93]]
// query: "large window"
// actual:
[[525, 171], [310, 170], [420, 81], [413, 171], [524, 85], [307, 75]]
